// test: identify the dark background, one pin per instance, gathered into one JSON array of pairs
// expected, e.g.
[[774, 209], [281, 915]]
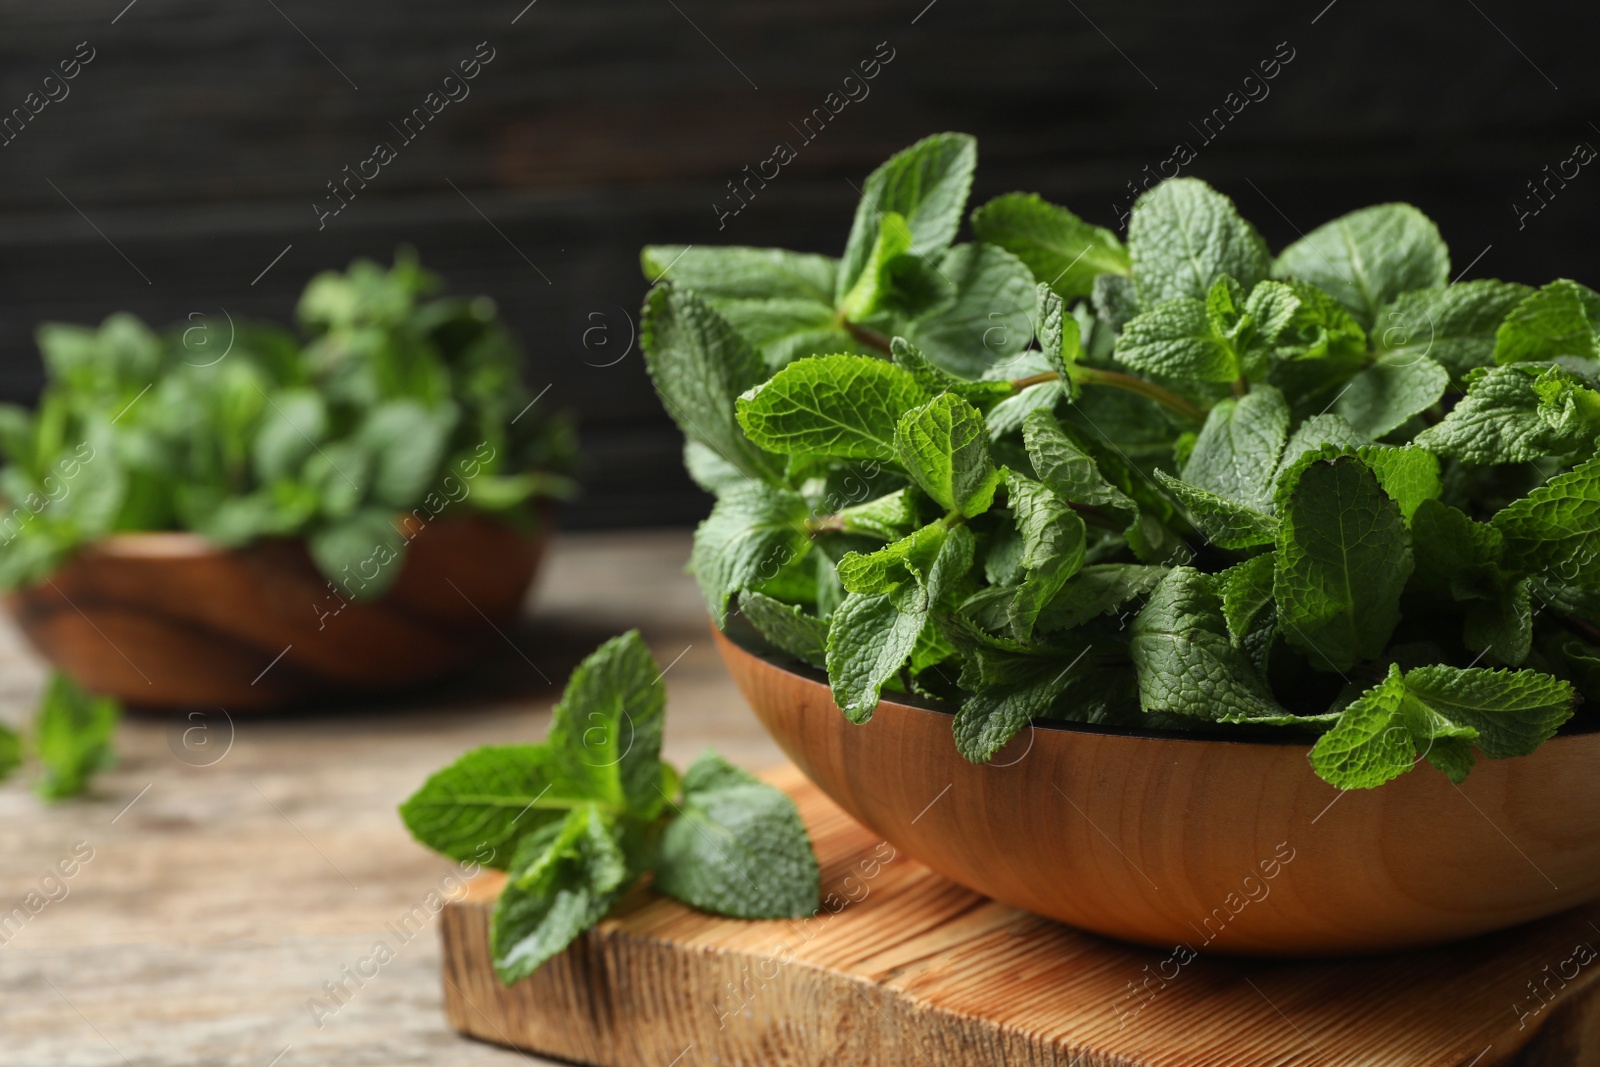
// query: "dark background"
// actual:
[[200, 135]]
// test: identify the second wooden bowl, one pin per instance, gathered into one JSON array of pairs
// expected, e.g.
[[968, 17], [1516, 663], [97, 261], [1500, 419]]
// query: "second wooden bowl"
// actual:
[[1199, 845], [169, 620]]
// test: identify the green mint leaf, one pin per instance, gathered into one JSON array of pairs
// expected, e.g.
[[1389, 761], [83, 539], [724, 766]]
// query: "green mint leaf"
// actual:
[[891, 516], [994, 714], [1408, 475], [1097, 590], [1115, 300], [1501, 628], [1454, 326], [1455, 555], [362, 555], [935, 380], [1183, 236], [293, 425], [1071, 472], [874, 284], [407, 442], [10, 751], [1557, 526], [753, 531], [1186, 662], [700, 366], [944, 446], [1054, 540], [990, 320], [1246, 590], [1315, 434], [1558, 320], [1224, 522], [1236, 454], [784, 330], [788, 627], [735, 273], [708, 469], [1319, 327], [906, 560], [1011, 414], [1344, 555], [1381, 398], [72, 734], [1061, 250], [844, 406], [480, 806], [605, 735], [927, 184], [1175, 339], [1060, 337], [1514, 712], [1375, 740], [872, 634], [1369, 257], [737, 847], [1517, 413], [564, 879]]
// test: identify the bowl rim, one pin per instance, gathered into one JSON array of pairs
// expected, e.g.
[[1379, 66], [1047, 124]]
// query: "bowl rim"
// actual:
[[744, 637]]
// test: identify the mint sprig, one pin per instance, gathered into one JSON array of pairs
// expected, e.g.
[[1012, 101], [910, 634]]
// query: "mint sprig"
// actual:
[[578, 819], [1178, 483]]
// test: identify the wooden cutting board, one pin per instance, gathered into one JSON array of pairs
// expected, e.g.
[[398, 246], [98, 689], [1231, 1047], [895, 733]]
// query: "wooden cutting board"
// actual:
[[902, 968]]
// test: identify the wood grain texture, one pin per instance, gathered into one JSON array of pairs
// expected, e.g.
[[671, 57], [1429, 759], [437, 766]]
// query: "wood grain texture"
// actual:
[[168, 620], [1235, 845], [903, 968]]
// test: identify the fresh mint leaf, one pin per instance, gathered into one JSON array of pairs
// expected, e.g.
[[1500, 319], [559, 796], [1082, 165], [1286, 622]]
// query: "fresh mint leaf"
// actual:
[[708, 469], [872, 633], [1071, 472], [927, 184], [1186, 663], [891, 516], [788, 627], [1225, 523], [700, 366], [1517, 413], [737, 847], [994, 714], [605, 736], [1382, 734], [1408, 475], [1237, 452], [564, 879], [480, 806], [944, 445], [1060, 337], [874, 284], [1513, 712], [1315, 434], [1381, 398], [1369, 257], [1501, 627], [1053, 542], [935, 380], [735, 273], [72, 734], [753, 530], [1343, 557], [1454, 554], [1246, 590], [1319, 328], [844, 406], [1558, 320], [989, 321], [1061, 250], [1557, 527], [1175, 339], [1183, 236], [1097, 590], [1454, 326]]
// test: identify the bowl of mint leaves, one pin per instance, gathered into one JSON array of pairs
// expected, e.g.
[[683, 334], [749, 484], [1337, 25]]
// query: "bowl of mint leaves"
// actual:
[[244, 515], [1106, 575]]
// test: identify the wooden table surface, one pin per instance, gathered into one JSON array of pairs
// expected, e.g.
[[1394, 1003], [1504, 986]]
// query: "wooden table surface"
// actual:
[[230, 882]]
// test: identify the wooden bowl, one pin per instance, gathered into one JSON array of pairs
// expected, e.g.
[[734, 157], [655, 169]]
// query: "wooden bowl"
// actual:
[[1214, 845], [168, 619]]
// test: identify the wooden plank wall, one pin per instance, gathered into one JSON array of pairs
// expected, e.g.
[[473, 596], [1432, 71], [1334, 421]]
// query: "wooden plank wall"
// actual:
[[201, 133]]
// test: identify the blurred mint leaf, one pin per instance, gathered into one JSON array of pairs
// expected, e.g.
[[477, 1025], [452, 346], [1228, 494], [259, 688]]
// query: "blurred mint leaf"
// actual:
[[788, 627], [72, 734], [1381, 398], [988, 323], [1557, 320], [10, 751], [362, 554], [407, 441], [1368, 258], [753, 530], [1455, 326]]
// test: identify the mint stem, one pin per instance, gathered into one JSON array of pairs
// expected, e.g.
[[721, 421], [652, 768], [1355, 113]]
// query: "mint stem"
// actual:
[[869, 337], [1116, 379]]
